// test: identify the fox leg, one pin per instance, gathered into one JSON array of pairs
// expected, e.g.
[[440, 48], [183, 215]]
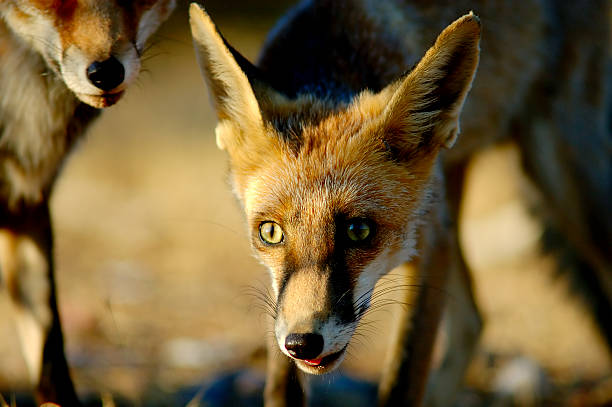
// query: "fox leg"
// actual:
[[463, 326], [26, 267], [283, 384], [463, 322], [405, 378]]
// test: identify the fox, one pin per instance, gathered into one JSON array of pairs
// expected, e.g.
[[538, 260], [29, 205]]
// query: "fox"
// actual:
[[61, 63], [346, 157]]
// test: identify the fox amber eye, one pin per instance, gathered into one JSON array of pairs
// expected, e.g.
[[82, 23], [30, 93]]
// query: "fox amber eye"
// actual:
[[271, 232], [358, 230]]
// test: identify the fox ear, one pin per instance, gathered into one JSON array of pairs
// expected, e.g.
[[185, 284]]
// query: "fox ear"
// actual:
[[232, 93], [422, 109]]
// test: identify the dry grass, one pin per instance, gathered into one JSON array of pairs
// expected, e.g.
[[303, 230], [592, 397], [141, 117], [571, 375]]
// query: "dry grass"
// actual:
[[153, 260]]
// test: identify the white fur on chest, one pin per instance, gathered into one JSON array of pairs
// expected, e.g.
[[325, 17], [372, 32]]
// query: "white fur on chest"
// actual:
[[35, 111]]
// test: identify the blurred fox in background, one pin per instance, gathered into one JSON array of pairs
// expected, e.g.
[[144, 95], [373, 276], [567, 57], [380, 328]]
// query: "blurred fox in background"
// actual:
[[340, 156], [61, 61]]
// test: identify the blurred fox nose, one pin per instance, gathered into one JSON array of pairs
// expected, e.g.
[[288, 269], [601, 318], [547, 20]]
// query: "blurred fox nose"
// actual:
[[106, 75], [304, 346]]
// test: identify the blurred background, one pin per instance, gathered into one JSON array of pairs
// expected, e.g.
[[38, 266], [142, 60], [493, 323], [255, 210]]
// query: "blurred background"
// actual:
[[154, 268]]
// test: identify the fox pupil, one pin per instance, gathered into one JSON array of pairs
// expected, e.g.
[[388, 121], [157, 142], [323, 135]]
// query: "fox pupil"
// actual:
[[271, 233], [358, 230]]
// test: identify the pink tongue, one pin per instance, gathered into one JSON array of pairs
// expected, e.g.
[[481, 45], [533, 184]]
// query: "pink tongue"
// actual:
[[313, 362]]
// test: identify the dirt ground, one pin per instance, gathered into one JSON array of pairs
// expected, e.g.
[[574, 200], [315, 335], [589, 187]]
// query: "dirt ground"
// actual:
[[154, 266]]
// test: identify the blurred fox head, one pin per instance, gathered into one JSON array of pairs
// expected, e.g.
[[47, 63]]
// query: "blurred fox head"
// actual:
[[333, 193], [93, 45]]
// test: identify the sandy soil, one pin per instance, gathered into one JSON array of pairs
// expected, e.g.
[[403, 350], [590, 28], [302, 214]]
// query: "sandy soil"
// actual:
[[154, 266]]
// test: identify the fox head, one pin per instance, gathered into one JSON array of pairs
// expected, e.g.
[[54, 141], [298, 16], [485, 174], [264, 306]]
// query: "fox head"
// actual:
[[94, 46], [333, 193]]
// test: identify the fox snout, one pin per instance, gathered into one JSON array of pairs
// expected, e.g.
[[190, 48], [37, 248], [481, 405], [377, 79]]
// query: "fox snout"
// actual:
[[99, 79], [317, 350], [106, 75], [93, 47], [314, 321], [101, 82]]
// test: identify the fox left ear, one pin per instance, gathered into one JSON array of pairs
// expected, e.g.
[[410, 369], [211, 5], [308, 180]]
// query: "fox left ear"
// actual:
[[422, 109], [225, 71]]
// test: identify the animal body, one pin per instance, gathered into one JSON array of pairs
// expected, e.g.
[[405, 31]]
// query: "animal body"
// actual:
[[61, 62], [339, 142]]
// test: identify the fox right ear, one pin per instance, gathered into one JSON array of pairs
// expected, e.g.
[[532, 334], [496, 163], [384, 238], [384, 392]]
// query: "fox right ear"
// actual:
[[232, 94], [422, 110]]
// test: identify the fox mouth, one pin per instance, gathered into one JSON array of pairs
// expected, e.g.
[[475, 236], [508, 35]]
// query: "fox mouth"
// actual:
[[100, 101], [323, 364]]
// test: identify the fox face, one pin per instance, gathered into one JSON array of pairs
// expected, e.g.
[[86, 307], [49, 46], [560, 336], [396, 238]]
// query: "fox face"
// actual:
[[321, 225], [320, 221], [94, 46], [333, 192]]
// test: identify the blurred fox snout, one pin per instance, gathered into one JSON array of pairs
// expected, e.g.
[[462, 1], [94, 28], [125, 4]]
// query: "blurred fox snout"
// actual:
[[106, 75], [99, 78], [93, 47]]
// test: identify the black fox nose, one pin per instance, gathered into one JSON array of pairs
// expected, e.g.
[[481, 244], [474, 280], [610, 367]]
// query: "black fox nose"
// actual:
[[106, 75], [304, 346]]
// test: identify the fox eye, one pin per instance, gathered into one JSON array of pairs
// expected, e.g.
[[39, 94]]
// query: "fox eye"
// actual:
[[358, 230], [271, 233]]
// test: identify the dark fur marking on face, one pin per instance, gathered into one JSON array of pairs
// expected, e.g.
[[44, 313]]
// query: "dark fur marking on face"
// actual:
[[288, 271], [340, 292], [332, 266], [289, 130], [293, 118]]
